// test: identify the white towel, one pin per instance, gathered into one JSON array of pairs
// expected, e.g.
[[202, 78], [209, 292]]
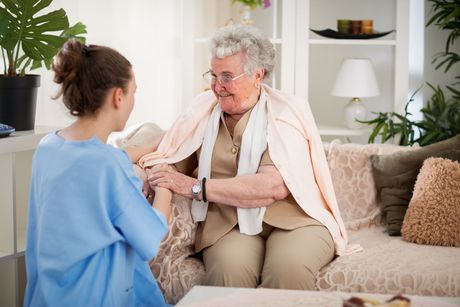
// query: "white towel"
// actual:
[[253, 145]]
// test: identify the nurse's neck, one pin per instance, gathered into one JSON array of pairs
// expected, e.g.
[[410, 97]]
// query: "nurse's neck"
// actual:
[[84, 128]]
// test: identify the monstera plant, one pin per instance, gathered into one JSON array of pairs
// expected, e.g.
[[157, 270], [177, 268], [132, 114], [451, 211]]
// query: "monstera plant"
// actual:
[[29, 39]]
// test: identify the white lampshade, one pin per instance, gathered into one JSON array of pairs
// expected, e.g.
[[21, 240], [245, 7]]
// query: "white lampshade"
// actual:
[[356, 78]]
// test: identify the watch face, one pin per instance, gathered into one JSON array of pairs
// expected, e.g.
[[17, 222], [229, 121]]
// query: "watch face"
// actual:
[[196, 188]]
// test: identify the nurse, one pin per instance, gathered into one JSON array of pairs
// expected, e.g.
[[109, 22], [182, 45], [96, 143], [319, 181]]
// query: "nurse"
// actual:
[[90, 228]]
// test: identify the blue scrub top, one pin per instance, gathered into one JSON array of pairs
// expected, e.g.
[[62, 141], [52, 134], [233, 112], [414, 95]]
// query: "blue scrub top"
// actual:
[[90, 230]]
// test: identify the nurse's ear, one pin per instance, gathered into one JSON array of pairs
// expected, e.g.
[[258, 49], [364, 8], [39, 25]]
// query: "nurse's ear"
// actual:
[[117, 96]]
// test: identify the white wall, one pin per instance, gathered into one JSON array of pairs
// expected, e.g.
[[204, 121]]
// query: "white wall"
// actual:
[[416, 57], [147, 32]]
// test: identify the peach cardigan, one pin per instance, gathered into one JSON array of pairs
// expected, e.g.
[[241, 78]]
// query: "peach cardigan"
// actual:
[[295, 148]]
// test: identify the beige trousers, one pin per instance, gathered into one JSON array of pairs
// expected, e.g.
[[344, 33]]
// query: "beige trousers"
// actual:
[[277, 258]]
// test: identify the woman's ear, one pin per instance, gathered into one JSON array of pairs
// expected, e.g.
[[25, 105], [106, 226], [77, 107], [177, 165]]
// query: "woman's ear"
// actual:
[[259, 77], [117, 97]]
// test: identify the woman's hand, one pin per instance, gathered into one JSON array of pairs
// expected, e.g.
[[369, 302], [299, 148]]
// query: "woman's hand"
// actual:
[[166, 176]]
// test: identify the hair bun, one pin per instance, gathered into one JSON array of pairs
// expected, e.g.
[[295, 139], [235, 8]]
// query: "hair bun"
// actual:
[[68, 61]]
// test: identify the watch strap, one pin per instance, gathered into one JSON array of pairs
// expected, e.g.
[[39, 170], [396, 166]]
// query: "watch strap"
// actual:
[[203, 189]]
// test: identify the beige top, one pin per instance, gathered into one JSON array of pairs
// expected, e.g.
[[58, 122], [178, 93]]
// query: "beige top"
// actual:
[[220, 219]]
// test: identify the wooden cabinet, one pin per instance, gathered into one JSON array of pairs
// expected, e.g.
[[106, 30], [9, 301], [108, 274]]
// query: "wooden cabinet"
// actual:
[[16, 152]]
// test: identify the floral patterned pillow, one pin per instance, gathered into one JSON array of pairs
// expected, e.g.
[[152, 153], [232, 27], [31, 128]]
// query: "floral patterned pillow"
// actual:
[[351, 172]]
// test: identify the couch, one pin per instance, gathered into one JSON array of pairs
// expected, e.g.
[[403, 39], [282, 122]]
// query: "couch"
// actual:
[[387, 264]]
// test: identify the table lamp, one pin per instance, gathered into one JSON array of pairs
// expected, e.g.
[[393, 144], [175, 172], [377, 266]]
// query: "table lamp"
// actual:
[[356, 79]]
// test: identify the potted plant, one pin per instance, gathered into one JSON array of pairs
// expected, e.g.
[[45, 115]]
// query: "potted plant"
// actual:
[[441, 115], [28, 41], [247, 6]]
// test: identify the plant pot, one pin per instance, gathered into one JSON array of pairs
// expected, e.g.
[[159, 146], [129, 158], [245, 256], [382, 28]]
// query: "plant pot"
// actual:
[[18, 100], [245, 15]]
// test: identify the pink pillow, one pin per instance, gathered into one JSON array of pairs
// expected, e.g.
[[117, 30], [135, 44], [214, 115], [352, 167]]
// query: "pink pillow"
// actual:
[[351, 173]]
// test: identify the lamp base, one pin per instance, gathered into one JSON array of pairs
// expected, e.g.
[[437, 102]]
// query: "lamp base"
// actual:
[[355, 111]]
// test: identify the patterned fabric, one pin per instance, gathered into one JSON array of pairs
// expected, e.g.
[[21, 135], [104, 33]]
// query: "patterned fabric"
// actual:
[[351, 172], [174, 269], [391, 265]]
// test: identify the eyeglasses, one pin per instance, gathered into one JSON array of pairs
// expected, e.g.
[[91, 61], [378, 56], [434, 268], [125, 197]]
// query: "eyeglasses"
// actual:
[[223, 80]]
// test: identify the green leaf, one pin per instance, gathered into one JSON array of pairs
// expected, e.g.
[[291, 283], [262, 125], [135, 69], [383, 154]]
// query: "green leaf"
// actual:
[[36, 64], [75, 31], [12, 7], [39, 36], [4, 23], [375, 132], [37, 7], [54, 21], [384, 133]]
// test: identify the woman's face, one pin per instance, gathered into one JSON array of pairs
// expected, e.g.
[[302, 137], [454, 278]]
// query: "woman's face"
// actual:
[[237, 96]]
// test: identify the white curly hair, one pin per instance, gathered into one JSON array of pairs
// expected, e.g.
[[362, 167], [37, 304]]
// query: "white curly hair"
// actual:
[[259, 51]]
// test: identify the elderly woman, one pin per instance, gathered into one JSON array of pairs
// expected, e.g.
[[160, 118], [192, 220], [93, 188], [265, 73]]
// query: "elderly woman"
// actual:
[[252, 160]]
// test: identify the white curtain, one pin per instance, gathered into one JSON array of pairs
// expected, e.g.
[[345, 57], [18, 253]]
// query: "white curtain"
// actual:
[[148, 33]]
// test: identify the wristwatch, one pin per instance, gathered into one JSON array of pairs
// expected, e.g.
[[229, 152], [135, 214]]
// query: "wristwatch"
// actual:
[[196, 189]]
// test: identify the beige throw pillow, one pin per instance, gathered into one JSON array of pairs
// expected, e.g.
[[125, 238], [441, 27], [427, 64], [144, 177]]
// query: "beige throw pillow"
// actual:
[[433, 215]]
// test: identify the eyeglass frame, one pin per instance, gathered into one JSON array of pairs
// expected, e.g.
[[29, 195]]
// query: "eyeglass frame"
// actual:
[[215, 78]]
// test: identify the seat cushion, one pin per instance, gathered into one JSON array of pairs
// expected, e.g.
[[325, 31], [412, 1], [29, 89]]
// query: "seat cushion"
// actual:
[[391, 265]]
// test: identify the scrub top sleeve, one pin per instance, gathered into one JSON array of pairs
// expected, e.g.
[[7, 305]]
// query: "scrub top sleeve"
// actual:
[[142, 227]]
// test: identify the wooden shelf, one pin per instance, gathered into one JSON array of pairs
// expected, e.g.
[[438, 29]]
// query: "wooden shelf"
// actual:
[[354, 42], [341, 130]]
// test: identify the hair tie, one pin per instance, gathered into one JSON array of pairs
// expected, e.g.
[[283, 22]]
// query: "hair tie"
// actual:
[[85, 50]]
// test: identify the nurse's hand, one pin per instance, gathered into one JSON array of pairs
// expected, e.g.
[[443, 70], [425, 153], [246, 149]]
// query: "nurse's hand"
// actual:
[[162, 201], [149, 193]]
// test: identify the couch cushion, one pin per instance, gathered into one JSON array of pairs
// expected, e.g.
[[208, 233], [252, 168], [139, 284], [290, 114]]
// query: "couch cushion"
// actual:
[[433, 215], [351, 173], [391, 265], [395, 177]]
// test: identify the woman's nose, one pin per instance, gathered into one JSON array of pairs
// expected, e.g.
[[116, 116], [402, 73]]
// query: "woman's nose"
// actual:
[[217, 86]]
